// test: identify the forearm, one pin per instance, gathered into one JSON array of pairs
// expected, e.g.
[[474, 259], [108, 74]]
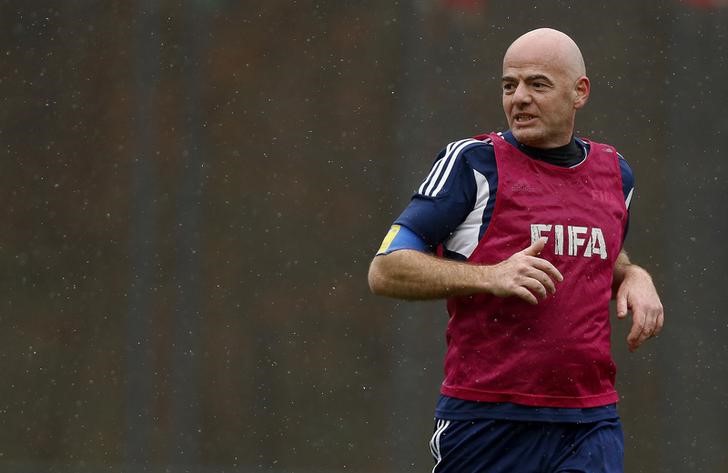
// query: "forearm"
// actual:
[[408, 274], [620, 268]]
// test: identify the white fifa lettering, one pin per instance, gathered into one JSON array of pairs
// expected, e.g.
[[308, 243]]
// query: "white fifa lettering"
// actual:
[[574, 239], [577, 238], [536, 229], [597, 245], [558, 239]]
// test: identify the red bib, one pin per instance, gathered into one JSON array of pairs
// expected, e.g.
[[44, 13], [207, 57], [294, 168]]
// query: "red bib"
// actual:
[[557, 353]]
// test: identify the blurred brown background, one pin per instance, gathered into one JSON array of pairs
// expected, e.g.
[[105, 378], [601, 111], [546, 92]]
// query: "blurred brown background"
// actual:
[[192, 191]]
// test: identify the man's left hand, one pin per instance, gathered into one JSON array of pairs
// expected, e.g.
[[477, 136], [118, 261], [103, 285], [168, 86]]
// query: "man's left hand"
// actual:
[[637, 294]]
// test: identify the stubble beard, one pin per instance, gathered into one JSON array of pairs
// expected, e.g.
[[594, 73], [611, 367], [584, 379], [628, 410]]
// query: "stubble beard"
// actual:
[[529, 137]]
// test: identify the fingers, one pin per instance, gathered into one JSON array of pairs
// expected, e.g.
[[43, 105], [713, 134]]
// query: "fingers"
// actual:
[[540, 281], [660, 322], [541, 264], [637, 335], [526, 295], [537, 275], [536, 288], [548, 268], [533, 285], [637, 293], [621, 304], [646, 323], [536, 247], [527, 276]]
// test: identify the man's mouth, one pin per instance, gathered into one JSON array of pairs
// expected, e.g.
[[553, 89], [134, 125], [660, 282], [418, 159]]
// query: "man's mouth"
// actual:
[[523, 117]]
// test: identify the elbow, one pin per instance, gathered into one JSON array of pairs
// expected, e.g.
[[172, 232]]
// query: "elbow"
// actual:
[[387, 276], [384, 276], [376, 278]]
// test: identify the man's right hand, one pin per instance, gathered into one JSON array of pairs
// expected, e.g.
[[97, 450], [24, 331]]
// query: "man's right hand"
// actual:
[[525, 275]]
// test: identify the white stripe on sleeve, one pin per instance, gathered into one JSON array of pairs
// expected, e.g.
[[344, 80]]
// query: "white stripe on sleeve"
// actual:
[[435, 166], [451, 161], [465, 237], [441, 170]]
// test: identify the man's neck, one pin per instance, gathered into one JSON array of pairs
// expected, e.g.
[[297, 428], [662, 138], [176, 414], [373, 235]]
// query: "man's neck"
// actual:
[[568, 155]]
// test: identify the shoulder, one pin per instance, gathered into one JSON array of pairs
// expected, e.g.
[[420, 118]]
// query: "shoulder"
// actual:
[[450, 191], [467, 148], [624, 167], [623, 164], [455, 162], [627, 179], [625, 170]]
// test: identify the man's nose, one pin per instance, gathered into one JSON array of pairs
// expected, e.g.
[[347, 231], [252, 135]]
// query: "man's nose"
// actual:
[[521, 94]]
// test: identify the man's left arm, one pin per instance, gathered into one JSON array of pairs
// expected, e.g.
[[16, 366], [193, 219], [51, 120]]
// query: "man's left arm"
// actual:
[[634, 291]]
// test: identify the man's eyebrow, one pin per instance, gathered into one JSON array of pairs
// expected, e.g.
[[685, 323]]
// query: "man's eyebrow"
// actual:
[[538, 77], [530, 78]]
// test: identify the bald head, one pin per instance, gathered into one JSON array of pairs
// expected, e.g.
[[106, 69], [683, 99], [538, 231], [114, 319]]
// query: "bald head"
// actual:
[[551, 46], [544, 84]]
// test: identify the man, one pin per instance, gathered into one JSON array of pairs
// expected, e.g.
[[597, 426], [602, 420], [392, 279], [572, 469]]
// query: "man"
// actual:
[[528, 225]]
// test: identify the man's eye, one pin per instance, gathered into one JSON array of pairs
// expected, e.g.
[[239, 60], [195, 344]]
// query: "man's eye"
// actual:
[[508, 87]]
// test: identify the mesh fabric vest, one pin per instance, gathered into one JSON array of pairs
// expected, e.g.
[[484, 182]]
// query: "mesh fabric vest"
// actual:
[[556, 353]]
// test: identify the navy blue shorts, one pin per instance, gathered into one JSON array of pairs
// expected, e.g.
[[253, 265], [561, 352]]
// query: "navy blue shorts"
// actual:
[[502, 446]]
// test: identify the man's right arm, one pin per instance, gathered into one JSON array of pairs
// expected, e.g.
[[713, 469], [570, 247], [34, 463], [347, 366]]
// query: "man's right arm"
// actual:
[[404, 266], [411, 274]]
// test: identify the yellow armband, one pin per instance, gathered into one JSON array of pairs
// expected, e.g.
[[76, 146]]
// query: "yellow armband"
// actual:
[[388, 239]]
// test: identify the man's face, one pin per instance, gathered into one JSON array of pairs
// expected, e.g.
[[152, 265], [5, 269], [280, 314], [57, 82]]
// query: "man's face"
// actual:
[[539, 99]]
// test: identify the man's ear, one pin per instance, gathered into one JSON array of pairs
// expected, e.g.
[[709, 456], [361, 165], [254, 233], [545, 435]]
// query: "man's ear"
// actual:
[[582, 87]]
